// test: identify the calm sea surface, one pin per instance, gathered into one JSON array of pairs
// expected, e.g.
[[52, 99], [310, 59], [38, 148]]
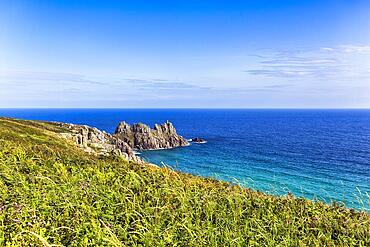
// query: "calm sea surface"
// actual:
[[320, 154]]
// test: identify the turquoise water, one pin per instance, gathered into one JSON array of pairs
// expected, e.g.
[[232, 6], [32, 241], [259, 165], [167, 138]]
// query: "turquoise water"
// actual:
[[320, 154]]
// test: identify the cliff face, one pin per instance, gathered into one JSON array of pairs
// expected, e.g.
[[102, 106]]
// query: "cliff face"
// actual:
[[142, 137], [96, 141]]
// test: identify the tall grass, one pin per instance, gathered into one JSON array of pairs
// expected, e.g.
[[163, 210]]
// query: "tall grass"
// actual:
[[54, 194]]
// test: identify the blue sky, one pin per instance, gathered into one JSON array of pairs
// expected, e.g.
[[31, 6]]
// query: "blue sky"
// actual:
[[207, 54]]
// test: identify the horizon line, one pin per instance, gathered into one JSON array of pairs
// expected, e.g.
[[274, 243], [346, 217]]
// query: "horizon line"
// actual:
[[185, 108]]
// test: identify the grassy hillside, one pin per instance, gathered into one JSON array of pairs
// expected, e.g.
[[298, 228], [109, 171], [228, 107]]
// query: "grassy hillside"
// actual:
[[52, 193]]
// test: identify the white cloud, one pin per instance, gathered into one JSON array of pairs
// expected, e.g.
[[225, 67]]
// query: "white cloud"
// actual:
[[355, 49], [326, 63]]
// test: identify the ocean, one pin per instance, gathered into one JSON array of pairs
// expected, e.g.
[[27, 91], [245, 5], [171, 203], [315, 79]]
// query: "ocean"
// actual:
[[317, 154]]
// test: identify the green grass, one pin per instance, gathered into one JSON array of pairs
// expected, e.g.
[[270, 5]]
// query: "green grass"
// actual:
[[53, 194]]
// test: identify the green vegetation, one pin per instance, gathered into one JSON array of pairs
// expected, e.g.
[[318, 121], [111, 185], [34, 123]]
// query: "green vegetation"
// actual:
[[53, 194]]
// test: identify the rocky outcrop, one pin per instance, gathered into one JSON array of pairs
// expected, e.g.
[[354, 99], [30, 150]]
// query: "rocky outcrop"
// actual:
[[125, 139], [142, 137], [93, 140], [198, 140]]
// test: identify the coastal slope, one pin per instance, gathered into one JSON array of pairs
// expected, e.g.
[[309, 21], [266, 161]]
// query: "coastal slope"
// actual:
[[54, 192]]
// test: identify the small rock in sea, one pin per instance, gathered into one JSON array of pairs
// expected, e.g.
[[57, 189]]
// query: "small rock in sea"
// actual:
[[198, 140]]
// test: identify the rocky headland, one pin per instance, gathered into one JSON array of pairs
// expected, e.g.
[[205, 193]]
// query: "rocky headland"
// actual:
[[93, 140], [142, 137], [125, 139]]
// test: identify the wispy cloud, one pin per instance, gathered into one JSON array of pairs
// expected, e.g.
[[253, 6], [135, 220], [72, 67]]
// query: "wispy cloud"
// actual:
[[27, 77], [360, 49], [164, 84], [321, 63], [68, 86]]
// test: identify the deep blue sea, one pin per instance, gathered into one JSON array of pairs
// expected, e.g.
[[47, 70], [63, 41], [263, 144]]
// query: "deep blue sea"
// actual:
[[318, 154]]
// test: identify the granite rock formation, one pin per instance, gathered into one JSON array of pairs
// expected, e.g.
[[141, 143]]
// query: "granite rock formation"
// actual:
[[125, 139], [93, 140], [142, 137]]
